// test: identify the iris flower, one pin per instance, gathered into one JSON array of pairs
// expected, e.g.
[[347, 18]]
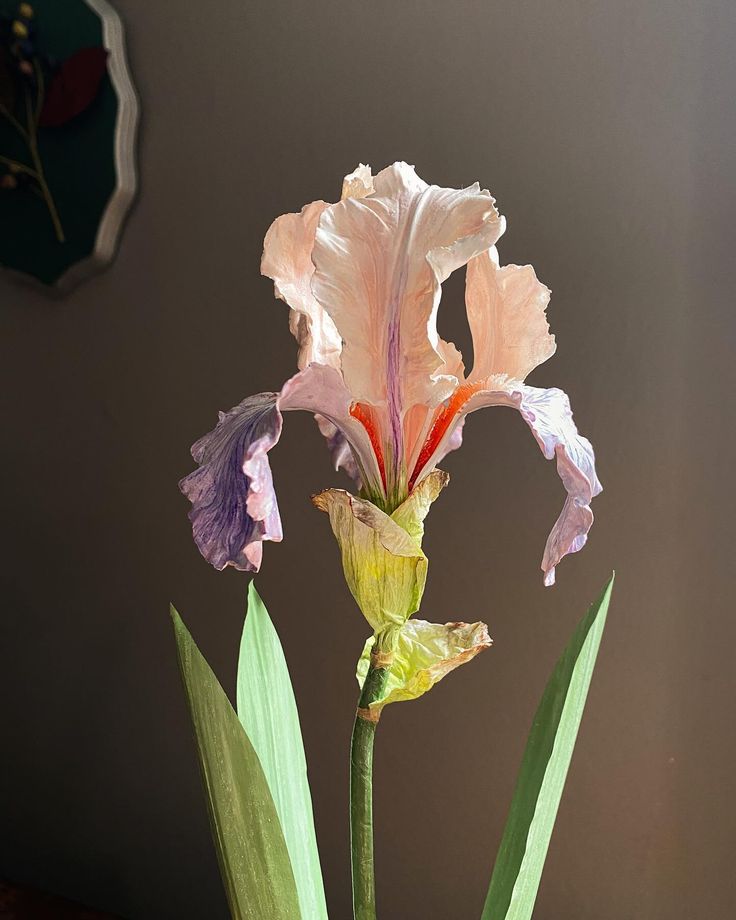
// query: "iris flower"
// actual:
[[363, 279]]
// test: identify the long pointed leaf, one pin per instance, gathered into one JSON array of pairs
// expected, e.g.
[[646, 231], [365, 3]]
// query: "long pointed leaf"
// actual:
[[250, 845], [523, 850], [268, 713]]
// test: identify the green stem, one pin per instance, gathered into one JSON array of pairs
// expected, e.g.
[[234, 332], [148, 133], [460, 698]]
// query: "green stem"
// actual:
[[361, 791]]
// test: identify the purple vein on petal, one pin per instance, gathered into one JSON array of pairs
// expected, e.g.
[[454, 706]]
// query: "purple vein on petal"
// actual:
[[234, 506]]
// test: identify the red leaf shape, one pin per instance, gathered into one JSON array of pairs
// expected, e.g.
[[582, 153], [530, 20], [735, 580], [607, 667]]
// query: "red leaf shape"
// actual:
[[73, 87]]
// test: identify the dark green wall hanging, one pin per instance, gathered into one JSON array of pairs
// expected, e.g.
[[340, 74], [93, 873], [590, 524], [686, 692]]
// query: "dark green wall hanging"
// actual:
[[68, 120]]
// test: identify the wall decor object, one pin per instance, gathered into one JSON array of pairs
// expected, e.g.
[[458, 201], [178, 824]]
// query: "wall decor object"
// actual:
[[363, 280], [68, 125]]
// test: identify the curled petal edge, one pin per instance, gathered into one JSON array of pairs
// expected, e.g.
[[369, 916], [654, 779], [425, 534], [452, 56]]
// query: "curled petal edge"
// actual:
[[380, 262], [234, 508], [287, 261], [506, 310], [548, 414]]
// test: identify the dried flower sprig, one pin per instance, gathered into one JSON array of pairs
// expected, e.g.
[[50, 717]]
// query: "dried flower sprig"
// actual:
[[23, 86], [35, 93]]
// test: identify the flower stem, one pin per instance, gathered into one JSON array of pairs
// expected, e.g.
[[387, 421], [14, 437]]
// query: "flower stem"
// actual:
[[361, 790]]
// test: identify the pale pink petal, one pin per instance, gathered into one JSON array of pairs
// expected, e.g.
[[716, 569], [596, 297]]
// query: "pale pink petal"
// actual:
[[418, 419], [452, 360], [359, 183], [506, 313], [548, 415], [416, 422], [287, 260], [380, 261], [322, 390]]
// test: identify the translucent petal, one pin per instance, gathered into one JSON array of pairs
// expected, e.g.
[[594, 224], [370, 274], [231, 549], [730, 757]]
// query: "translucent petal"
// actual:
[[380, 261], [549, 416], [359, 183], [506, 314], [234, 506], [287, 260]]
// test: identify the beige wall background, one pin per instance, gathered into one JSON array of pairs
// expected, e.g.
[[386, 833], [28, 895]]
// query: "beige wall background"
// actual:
[[606, 132]]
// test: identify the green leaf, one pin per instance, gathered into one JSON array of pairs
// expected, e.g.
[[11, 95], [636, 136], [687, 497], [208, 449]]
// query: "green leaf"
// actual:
[[523, 850], [268, 713], [250, 845]]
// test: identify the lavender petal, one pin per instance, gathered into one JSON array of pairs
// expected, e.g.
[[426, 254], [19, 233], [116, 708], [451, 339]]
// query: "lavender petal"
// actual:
[[234, 506]]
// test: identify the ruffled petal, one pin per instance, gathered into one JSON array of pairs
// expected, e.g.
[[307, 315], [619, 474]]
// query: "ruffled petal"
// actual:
[[425, 653], [287, 260], [234, 506], [549, 416], [382, 557], [380, 261], [359, 183], [506, 314]]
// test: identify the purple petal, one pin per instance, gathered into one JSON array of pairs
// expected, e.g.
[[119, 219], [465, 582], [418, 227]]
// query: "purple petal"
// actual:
[[453, 441], [339, 448], [234, 506], [549, 416]]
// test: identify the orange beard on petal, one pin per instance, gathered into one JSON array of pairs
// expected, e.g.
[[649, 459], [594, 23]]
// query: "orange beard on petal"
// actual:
[[366, 415], [443, 418]]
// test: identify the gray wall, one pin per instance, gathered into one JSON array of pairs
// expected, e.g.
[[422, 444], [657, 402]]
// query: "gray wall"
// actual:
[[606, 132]]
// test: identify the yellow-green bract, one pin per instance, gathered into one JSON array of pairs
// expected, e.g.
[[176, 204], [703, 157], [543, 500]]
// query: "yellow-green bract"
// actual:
[[382, 556], [424, 653]]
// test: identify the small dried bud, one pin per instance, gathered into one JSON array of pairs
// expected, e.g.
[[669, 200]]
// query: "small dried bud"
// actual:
[[8, 182]]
